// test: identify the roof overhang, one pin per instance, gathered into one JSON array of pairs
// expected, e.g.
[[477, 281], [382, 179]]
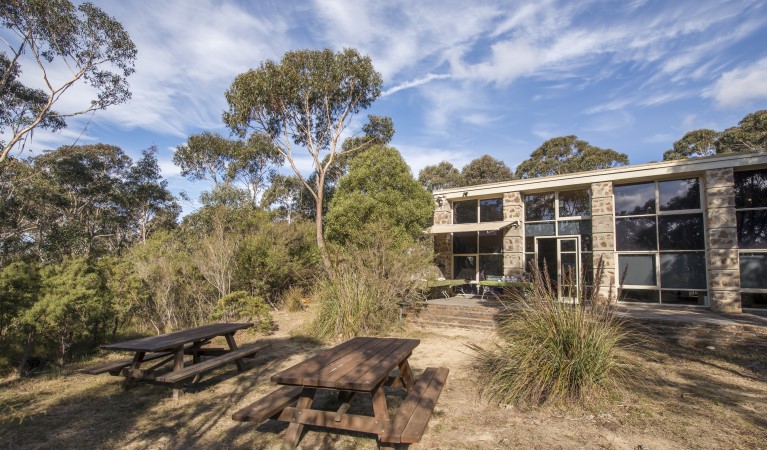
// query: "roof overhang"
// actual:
[[467, 227]]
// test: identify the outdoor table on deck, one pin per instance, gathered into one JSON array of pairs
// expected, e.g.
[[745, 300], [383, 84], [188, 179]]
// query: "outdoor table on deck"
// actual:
[[359, 366], [174, 345]]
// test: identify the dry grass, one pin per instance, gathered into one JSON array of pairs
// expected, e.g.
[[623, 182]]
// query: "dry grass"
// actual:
[[689, 398]]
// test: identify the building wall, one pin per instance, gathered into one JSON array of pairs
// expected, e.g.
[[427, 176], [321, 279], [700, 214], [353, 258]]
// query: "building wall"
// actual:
[[603, 238], [722, 242], [443, 243], [513, 240]]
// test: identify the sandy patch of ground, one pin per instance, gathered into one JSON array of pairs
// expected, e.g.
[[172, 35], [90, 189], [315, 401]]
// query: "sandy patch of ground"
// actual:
[[691, 398]]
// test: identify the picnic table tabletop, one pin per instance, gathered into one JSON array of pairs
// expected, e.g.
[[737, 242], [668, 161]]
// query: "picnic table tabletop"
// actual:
[[178, 338], [360, 364]]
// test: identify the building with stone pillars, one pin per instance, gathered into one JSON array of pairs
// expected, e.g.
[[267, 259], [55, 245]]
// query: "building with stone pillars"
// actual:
[[674, 233]]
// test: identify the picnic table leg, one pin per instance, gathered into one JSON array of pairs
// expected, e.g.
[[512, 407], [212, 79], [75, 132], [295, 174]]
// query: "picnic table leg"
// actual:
[[407, 375], [138, 358], [233, 346], [381, 412], [293, 435], [178, 364]]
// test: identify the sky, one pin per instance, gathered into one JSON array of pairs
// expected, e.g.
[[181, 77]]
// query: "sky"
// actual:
[[461, 78]]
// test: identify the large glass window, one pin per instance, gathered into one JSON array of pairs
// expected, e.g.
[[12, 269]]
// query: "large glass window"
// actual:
[[483, 246], [574, 203], [465, 267], [465, 242], [491, 241], [474, 211], [660, 241], [539, 207], [491, 210], [465, 212], [751, 215]]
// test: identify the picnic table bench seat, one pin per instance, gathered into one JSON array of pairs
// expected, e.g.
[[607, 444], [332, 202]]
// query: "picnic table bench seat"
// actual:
[[196, 369], [269, 406], [409, 423], [115, 367]]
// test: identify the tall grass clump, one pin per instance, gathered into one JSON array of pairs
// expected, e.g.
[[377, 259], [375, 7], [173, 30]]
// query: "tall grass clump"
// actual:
[[555, 351], [369, 282]]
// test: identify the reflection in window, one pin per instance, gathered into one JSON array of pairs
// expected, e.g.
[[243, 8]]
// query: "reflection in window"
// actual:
[[752, 229], [490, 265], [491, 210], [634, 199], [539, 229], [465, 212], [635, 234], [679, 194], [751, 189], [490, 242], [683, 297], [753, 270], [637, 270], [574, 203], [638, 296], [539, 206], [681, 232], [683, 270], [465, 242], [753, 299], [574, 227], [465, 267]]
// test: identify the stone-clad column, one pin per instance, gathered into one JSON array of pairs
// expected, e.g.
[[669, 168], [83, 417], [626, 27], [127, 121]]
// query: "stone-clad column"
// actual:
[[443, 243], [603, 237], [513, 240], [722, 242]]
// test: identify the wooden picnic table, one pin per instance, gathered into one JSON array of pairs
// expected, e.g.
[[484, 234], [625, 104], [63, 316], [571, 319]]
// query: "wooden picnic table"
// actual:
[[172, 347], [362, 365]]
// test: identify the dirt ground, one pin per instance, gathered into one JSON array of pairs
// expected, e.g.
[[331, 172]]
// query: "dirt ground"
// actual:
[[688, 398]]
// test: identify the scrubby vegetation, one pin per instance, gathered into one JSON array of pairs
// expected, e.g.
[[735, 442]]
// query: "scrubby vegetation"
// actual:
[[554, 351]]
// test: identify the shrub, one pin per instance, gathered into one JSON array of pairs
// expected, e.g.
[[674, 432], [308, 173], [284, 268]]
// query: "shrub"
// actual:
[[553, 351], [239, 306], [293, 299], [370, 279]]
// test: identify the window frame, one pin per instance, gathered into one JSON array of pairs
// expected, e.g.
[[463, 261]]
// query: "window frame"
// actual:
[[749, 250]]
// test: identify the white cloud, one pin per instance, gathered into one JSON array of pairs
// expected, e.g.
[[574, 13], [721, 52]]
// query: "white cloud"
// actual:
[[415, 83], [741, 86], [418, 157]]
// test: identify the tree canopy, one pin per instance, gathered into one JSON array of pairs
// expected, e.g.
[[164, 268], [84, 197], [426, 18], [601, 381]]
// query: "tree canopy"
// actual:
[[485, 169], [568, 154], [440, 176], [379, 188], [750, 135], [305, 101], [92, 45]]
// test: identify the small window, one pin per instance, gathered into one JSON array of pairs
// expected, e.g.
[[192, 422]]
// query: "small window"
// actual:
[[752, 229], [753, 270], [635, 199], [490, 242], [635, 234], [683, 270], [681, 232], [491, 210], [465, 242], [683, 297], [637, 270], [638, 296], [751, 189], [753, 300], [677, 195], [574, 203], [539, 206], [539, 229], [465, 212]]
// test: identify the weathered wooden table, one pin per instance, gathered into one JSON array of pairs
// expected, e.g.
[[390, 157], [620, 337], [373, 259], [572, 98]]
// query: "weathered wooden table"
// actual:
[[172, 347], [361, 365]]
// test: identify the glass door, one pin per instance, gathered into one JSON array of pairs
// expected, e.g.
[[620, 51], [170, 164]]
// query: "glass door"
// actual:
[[559, 258]]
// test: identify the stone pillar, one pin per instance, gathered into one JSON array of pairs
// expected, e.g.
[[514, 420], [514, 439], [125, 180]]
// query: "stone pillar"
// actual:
[[443, 243], [513, 239], [722, 242], [603, 238]]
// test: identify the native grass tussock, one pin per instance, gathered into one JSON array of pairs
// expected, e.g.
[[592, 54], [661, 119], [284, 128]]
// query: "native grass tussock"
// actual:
[[552, 351], [369, 282]]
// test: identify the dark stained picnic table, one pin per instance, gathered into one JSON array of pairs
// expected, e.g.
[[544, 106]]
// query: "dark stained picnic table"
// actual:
[[173, 347], [361, 365]]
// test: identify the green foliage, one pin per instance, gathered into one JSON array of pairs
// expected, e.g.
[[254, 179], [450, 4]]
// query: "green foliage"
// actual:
[[750, 135], [568, 154], [362, 293], [485, 169], [379, 188], [440, 176], [93, 46], [19, 290], [293, 299], [241, 307], [554, 351]]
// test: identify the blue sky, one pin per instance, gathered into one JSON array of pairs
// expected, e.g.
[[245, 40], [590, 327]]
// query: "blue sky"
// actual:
[[461, 79]]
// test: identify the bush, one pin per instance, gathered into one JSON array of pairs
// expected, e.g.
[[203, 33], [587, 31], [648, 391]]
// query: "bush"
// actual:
[[370, 279], [239, 306], [553, 351], [293, 299]]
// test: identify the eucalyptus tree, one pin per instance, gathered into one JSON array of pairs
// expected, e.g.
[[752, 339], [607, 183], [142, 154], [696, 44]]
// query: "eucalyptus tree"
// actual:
[[440, 176], [94, 48], [304, 103], [568, 154], [485, 169], [750, 135]]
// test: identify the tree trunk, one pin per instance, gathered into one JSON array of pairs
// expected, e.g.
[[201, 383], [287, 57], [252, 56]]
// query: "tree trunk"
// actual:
[[320, 235], [22, 369]]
